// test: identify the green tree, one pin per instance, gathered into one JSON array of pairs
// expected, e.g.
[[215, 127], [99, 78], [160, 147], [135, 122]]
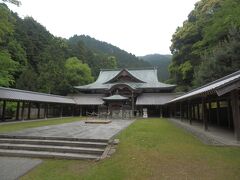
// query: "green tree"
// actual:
[[27, 79], [207, 26], [77, 73], [224, 59], [6, 24], [7, 69]]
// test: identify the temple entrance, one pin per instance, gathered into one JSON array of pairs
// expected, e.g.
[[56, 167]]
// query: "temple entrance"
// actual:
[[118, 110]]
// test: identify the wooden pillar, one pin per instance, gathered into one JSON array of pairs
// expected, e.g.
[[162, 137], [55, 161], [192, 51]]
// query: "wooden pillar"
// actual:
[[204, 113], [61, 110], [209, 111], [161, 112], [17, 112], [236, 113], [132, 105], [218, 113], [81, 111], [3, 110], [174, 110], [180, 106], [72, 110], [189, 112], [45, 111], [229, 113], [22, 113], [29, 110], [39, 109], [193, 111], [198, 112]]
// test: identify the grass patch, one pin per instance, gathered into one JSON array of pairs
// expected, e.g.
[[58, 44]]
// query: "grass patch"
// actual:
[[31, 124], [150, 149]]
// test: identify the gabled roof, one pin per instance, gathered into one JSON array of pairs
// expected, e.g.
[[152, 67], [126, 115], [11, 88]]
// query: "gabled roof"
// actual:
[[21, 95], [147, 76], [124, 72], [220, 87]]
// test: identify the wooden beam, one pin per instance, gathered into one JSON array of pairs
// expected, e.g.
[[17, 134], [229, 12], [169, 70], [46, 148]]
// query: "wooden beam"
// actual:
[[17, 111], [228, 88], [236, 113]]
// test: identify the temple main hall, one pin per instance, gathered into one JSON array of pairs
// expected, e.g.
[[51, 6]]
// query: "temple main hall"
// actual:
[[124, 93]]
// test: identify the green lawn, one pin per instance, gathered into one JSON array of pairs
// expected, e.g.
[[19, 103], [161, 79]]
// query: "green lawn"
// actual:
[[30, 124], [150, 149]]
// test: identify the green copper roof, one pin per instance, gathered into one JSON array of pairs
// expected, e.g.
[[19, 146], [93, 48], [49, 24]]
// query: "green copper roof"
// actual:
[[147, 76]]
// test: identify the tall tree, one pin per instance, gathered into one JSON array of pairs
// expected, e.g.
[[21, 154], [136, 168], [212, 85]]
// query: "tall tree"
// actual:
[[77, 73], [222, 60], [7, 68], [207, 26]]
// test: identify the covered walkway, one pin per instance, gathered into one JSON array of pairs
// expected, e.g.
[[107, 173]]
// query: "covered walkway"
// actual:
[[215, 104], [214, 136], [18, 104]]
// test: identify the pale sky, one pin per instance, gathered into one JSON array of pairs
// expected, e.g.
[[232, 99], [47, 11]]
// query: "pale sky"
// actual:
[[137, 26]]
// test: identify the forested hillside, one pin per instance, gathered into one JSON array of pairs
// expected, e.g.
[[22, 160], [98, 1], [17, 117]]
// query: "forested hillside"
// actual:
[[207, 46], [161, 62], [123, 58], [33, 59]]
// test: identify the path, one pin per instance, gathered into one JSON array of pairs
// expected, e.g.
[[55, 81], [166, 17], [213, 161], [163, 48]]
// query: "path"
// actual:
[[77, 130]]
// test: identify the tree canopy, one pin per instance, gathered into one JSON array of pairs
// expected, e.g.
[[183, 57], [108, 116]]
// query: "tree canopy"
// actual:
[[199, 40], [33, 59]]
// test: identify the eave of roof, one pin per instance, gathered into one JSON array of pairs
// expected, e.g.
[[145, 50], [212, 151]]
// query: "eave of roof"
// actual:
[[149, 76], [156, 98], [88, 99], [115, 97], [212, 87], [22, 95]]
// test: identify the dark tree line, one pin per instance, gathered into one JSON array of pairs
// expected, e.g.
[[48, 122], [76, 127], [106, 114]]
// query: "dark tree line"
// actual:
[[31, 58]]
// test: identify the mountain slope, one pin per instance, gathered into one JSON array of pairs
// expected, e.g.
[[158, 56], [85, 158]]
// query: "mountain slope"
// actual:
[[161, 62], [123, 58]]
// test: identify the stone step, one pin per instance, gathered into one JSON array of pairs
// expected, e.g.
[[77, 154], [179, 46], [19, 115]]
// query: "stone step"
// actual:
[[52, 138], [61, 149], [45, 154], [54, 142]]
